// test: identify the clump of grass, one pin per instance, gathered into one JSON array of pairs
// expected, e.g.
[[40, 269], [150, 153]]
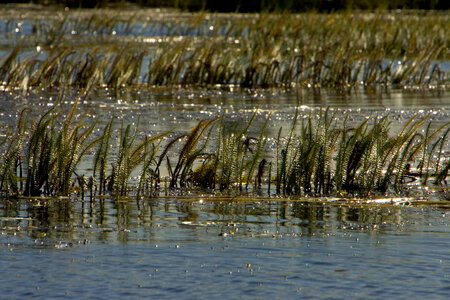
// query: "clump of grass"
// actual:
[[204, 176], [55, 151], [238, 153], [191, 151], [318, 156], [304, 163], [148, 176], [39, 162], [101, 157], [55, 146], [131, 154], [10, 176], [440, 171], [325, 159]]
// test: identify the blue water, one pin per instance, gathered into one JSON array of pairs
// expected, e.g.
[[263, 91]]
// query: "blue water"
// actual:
[[177, 248]]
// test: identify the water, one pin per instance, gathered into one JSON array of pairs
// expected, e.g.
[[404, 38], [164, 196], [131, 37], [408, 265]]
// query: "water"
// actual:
[[203, 247], [171, 247]]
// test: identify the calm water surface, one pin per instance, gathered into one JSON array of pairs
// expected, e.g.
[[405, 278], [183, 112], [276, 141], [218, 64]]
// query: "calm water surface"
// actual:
[[172, 247], [197, 247]]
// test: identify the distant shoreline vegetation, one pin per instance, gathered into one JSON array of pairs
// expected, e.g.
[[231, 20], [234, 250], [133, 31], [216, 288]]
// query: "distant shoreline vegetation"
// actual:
[[255, 5]]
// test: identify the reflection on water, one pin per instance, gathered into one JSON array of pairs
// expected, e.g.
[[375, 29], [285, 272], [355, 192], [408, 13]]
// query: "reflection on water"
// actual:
[[202, 248], [160, 109], [120, 220]]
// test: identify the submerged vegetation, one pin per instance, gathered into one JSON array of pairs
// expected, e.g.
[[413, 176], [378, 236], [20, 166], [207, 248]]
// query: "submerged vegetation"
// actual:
[[147, 48], [320, 155]]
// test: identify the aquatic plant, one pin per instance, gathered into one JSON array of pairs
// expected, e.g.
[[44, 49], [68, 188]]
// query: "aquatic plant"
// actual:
[[39, 162], [305, 160], [85, 50], [441, 171], [55, 151], [101, 157], [130, 155], [367, 160], [10, 161], [238, 153], [189, 153], [428, 154], [320, 155], [231, 159], [148, 175]]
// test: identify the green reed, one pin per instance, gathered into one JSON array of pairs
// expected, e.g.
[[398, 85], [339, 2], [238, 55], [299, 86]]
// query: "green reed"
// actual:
[[192, 150], [308, 49], [238, 153], [54, 146], [10, 164], [369, 160], [131, 154], [54, 151], [320, 155], [101, 158]]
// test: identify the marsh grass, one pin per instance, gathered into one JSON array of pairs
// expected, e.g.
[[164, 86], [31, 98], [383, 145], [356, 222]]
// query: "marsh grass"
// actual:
[[317, 157], [261, 50], [10, 163], [324, 158], [320, 155], [55, 150], [238, 154], [131, 154], [53, 147], [192, 150], [101, 158]]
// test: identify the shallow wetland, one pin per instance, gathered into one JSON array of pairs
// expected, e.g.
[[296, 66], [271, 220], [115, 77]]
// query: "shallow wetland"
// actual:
[[228, 240]]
